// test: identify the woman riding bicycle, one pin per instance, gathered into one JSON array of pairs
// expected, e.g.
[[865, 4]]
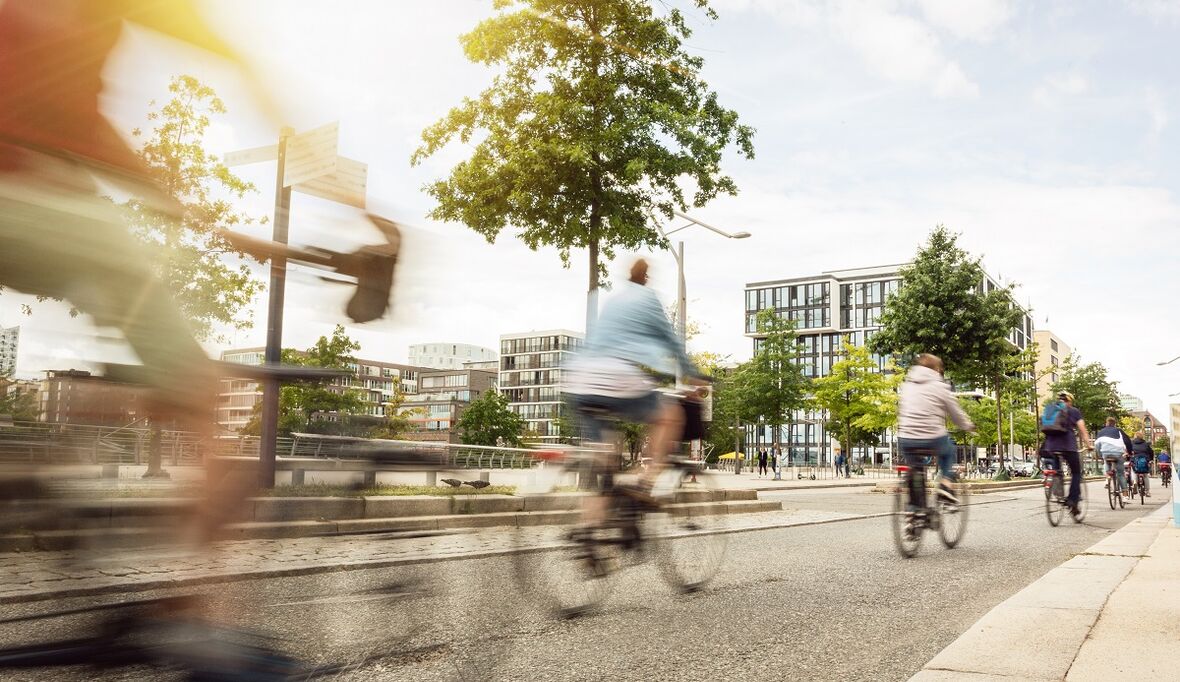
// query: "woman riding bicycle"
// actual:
[[612, 376], [925, 403]]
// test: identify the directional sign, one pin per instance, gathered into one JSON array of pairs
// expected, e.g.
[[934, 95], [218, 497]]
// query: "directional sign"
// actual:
[[346, 185], [311, 154], [242, 157]]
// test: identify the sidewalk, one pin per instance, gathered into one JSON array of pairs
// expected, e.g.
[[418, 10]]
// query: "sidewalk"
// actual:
[[746, 481], [1109, 613]]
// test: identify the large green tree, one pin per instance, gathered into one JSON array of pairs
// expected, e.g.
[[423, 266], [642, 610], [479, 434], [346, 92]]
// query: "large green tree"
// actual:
[[771, 387], [945, 307], [489, 421], [1095, 394], [190, 256], [597, 118], [19, 405], [860, 401]]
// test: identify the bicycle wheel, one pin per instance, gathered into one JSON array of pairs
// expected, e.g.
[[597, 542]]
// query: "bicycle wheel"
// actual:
[[952, 523], [907, 535], [1121, 498], [566, 571], [1083, 502], [1142, 490], [689, 540], [1112, 493], [1054, 509]]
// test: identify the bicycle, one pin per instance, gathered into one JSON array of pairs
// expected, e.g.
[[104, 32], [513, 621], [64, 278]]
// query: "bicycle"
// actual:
[[572, 573], [1055, 497], [1140, 487], [1113, 491], [947, 517], [1166, 476]]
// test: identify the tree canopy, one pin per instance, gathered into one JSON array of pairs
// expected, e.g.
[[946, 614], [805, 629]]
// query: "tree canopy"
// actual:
[[1095, 394], [771, 385], [489, 421], [860, 400], [597, 117]]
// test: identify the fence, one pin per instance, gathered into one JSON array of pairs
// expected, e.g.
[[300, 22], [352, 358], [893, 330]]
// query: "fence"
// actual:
[[48, 443]]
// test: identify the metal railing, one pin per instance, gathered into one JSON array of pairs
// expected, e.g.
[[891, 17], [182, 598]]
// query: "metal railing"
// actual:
[[50, 443]]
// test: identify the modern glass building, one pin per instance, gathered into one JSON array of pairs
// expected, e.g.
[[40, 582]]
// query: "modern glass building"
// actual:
[[449, 355], [530, 376], [9, 344], [826, 308]]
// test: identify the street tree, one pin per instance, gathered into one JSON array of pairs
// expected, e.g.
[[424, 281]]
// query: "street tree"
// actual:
[[1130, 424], [397, 420], [860, 401], [1095, 394], [19, 405], [1162, 443], [1022, 425], [598, 118], [489, 421], [943, 307], [771, 387]]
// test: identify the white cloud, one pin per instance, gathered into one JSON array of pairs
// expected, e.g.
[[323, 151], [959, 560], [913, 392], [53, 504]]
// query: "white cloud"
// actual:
[[976, 20], [1159, 10], [1057, 86], [1156, 111], [900, 47]]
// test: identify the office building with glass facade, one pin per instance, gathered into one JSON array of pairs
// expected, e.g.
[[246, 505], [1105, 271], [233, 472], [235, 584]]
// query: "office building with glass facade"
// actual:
[[376, 381], [826, 308], [530, 376], [9, 344]]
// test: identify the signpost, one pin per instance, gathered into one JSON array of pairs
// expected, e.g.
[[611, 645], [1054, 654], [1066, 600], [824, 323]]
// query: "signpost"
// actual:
[[308, 163]]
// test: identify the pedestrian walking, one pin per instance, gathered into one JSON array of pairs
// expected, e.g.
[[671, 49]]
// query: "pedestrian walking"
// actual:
[[763, 460], [839, 463], [774, 461], [848, 467]]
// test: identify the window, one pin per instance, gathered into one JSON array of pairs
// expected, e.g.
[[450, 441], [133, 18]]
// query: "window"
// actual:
[[1053, 345]]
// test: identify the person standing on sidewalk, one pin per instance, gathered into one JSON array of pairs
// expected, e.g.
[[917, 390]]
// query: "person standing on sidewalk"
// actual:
[[763, 460], [776, 463]]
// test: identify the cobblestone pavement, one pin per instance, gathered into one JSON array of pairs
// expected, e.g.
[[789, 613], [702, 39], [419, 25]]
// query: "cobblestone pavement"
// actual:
[[40, 575]]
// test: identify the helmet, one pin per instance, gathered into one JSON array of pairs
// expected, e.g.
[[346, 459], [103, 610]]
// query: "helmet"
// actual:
[[1067, 395]]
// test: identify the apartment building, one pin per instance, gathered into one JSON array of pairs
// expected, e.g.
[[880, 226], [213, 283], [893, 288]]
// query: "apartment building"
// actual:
[[1052, 352], [530, 376], [443, 395], [449, 355], [826, 308], [74, 396], [9, 344]]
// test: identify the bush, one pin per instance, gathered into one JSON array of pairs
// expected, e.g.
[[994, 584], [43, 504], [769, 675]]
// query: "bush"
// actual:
[[1002, 475]]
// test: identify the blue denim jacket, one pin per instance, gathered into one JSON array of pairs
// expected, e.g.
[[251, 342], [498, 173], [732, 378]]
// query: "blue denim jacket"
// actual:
[[634, 327]]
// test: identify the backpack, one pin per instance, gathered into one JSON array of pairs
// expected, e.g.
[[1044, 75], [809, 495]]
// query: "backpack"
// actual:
[[1055, 418]]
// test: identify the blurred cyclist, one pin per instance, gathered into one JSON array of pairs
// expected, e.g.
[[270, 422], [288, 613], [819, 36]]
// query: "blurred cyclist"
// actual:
[[1061, 442], [614, 374], [1165, 462], [1141, 458], [925, 403]]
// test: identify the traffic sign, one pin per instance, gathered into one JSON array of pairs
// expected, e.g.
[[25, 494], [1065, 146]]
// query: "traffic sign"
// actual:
[[346, 185], [243, 157], [311, 154]]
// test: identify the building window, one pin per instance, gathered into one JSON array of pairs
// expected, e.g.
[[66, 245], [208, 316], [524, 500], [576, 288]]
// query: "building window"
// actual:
[[1053, 345]]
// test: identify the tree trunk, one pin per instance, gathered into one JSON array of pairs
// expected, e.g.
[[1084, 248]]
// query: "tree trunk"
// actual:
[[155, 467], [999, 429]]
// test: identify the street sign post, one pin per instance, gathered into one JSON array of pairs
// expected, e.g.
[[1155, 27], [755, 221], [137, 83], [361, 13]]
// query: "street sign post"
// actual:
[[308, 163]]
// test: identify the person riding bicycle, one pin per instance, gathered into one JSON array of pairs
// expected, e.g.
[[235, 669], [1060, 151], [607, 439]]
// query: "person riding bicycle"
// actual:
[[1063, 444], [613, 373], [1141, 458], [1165, 464], [925, 403], [1113, 444]]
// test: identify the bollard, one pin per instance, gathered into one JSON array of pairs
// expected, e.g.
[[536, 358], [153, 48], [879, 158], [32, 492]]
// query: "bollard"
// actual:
[[297, 477], [432, 478], [485, 476]]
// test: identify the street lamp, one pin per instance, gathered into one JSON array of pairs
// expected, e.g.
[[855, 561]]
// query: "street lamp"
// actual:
[[1161, 364], [678, 254]]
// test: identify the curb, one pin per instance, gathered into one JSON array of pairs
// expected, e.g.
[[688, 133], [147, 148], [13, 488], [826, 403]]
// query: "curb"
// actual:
[[1053, 616]]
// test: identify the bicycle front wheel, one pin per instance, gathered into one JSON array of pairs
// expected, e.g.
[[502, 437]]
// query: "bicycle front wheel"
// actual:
[[952, 522], [1143, 491], [1112, 493], [1083, 502], [688, 530], [907, 534]]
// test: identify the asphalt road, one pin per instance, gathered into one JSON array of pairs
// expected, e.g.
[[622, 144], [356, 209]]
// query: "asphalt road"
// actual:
[[824, 602]]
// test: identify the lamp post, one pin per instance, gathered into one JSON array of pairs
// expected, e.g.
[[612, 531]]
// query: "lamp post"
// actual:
[[1161, 364], [678, 254]]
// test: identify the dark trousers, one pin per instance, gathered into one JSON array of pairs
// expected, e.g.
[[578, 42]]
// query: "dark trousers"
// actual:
[[1074, 460], [761, 468]]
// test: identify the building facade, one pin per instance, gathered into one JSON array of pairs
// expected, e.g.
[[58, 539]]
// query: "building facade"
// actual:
[[74, 396], [442, 396], [449, 355], [377, 382], [9, 343], [825, 309], [1052, 352], [530, 376], [1153, 427], [1130, 403]]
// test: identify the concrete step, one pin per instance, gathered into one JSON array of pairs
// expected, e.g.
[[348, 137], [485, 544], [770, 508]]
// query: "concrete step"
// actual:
[[259, 530]]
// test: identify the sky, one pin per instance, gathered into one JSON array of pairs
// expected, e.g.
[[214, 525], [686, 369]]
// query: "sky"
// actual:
[[1044, 133]]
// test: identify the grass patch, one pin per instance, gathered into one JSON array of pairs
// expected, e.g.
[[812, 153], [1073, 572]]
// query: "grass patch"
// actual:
[[324, 490]]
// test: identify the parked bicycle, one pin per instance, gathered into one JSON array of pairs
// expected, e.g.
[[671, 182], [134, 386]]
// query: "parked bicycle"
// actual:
[[574, 572], [947, 517], [1056, 502]]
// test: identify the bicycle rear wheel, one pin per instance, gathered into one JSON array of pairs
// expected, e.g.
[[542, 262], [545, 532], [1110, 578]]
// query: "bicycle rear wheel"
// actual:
[[1083, 502], [1142, 490], [952, 522], [907, 534], [566, 570], [1111, 493], [1054, 509], [688, 530]]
